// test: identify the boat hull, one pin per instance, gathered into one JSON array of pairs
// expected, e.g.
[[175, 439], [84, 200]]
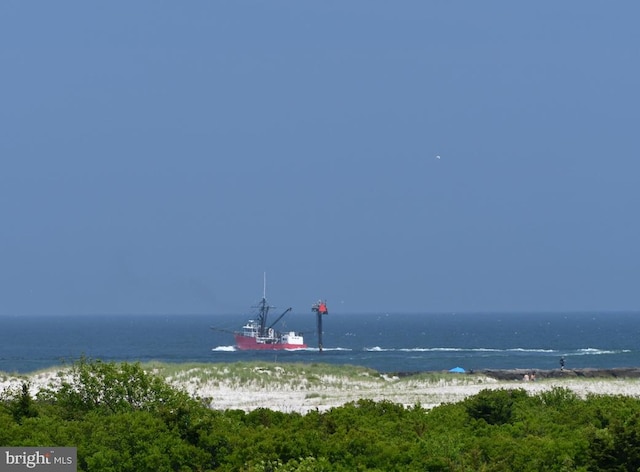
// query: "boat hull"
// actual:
[[248, 343]]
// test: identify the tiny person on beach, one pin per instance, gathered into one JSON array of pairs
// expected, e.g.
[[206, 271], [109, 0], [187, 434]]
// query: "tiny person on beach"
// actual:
[[562, 363]]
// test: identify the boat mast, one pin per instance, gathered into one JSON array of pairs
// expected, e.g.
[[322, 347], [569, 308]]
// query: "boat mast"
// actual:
[[263, 307]]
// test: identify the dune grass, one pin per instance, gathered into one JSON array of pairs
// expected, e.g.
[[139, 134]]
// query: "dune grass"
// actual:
[[304, 387], [265, 373]]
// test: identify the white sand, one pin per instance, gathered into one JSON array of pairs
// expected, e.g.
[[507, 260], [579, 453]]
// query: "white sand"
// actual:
[[299, 394], [407, 393]]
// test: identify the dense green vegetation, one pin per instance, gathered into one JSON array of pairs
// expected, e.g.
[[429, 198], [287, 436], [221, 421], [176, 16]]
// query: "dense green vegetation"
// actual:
[[122, 418]]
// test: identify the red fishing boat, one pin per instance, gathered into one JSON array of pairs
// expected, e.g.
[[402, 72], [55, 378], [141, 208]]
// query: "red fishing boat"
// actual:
[[258, 335]]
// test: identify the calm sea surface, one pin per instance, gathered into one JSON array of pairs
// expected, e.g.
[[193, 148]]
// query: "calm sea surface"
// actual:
[[385, 342]]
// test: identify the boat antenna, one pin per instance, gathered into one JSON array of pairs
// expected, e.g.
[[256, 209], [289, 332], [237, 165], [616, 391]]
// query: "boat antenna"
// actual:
[[264, 285]]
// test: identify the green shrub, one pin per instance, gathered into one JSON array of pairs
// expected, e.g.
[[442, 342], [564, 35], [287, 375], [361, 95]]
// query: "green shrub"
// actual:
[[496, 407]]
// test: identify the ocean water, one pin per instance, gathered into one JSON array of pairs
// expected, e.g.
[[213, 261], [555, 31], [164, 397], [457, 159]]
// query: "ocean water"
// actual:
[[385, 342]]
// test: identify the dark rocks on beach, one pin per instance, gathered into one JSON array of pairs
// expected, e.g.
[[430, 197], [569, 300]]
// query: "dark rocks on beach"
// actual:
[[518, 374]]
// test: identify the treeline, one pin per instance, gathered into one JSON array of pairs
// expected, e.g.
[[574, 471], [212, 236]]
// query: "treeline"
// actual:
[[123, 419]]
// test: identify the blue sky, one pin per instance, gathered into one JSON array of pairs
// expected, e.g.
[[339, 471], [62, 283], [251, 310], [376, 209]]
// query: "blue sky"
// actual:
[[158, 157]]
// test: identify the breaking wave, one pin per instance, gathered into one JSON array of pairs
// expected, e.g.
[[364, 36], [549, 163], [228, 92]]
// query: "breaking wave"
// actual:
[[597, 352], [454, 349], [577, 352]]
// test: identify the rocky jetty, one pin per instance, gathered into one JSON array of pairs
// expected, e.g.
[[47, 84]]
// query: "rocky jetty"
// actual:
[[518, 374]]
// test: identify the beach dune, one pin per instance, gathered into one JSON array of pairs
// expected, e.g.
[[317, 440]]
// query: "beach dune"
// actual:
[[302, 388]]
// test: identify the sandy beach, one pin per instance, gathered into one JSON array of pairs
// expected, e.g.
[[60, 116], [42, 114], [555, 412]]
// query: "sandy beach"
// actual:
[[298, 388]]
